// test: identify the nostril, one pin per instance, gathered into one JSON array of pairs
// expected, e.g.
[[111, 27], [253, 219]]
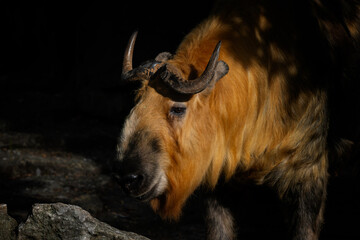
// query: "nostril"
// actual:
[[131, 182], [131, 179]]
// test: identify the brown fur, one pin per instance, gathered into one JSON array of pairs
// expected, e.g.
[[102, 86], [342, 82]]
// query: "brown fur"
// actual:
[[249, 120], [266, 119]]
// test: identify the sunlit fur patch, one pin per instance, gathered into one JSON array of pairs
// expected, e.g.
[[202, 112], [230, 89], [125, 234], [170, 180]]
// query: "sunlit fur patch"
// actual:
[[245, 123]]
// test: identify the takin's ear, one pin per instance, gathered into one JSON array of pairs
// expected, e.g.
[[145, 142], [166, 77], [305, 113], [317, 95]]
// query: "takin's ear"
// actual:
[[220, 71], [163, 57]]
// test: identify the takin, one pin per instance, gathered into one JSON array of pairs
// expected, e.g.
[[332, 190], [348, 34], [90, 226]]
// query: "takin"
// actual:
[[247, 93]]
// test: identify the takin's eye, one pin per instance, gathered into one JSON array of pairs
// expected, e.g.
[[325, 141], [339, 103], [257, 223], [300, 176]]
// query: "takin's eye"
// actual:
[[178, 110]]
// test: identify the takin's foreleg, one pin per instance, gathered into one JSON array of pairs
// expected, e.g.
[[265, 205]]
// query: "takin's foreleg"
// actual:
[[304, 200], [306, 205], [219, 221]]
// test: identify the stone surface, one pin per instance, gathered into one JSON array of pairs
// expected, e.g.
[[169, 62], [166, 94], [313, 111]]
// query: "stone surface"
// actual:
[[7, 224], [62, 221]]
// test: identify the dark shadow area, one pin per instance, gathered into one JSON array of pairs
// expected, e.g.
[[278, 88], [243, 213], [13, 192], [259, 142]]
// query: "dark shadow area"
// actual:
[[62, 106], [61, 63]]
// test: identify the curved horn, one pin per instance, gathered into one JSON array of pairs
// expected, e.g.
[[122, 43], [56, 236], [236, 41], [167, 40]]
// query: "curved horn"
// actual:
[[173, 79], [145, 70], [128, 55]]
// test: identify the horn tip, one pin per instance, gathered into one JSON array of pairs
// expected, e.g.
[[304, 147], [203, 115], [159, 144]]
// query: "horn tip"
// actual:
[[134, 35], [218, 46]]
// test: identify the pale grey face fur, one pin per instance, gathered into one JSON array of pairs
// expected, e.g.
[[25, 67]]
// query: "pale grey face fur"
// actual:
[[137, 166]]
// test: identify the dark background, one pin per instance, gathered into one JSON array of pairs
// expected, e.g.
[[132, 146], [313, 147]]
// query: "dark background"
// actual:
[[60, 66], [70, 52], [62, 103]]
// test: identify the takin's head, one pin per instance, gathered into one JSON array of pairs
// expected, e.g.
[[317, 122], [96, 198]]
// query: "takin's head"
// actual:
[[167, 144]]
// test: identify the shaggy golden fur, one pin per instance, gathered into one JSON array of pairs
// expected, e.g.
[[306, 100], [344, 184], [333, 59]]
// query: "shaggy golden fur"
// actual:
[[248, 121], [266, 119]]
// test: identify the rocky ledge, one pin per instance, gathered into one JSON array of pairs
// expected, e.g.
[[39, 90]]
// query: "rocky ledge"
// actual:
[[60, 221]]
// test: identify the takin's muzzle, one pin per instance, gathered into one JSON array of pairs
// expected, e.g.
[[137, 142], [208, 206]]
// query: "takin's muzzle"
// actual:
[[137, 168]]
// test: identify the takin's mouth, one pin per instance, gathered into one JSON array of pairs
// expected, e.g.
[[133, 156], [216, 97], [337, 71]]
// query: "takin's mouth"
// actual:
[[147, 196], [143, 191], [153, 191]]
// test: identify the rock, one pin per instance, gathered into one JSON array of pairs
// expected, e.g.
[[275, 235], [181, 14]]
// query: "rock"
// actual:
[[7, 224], [62, 221]]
